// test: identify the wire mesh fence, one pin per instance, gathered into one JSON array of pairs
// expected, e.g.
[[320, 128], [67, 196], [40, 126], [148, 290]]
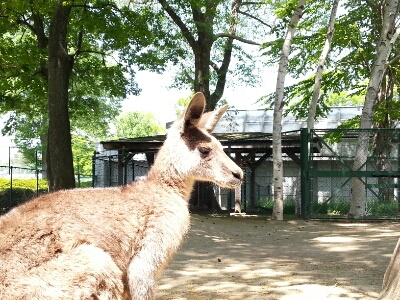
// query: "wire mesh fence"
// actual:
[[254, 196], [326, 159], [355, 172], [116, 169], [17, 185], [20, 184]]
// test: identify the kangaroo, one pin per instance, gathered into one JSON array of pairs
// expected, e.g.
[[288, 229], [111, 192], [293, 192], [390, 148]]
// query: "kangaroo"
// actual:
[[112, 243]]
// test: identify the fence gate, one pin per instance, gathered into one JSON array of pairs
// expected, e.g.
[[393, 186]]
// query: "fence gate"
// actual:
[[331, 180]]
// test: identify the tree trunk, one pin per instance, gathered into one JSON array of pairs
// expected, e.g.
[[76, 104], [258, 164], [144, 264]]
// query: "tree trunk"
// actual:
[[358, 199], [202, 73], [59, 151], [320, 68], [277, 213], [383, 145]]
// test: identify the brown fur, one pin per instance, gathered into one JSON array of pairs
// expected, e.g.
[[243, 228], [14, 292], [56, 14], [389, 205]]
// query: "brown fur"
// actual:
[[110, 243]]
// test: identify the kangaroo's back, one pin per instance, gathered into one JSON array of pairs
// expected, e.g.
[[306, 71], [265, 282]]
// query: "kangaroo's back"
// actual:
[[111, 243]]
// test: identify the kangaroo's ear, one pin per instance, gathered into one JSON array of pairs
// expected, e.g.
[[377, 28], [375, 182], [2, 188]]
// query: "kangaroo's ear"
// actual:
[[194, 111], [210, 119]]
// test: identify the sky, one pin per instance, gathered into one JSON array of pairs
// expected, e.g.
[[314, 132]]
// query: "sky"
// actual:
[[157, 99]]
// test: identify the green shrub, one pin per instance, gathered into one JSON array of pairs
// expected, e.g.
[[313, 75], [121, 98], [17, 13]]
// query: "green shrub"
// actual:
[[23, 184], [11, 198], [22, 191], [84, 184], [267, 205], [332, 208], [377, 208]]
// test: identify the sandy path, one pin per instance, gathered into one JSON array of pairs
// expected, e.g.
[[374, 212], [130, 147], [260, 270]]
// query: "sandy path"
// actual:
[[252, 258]]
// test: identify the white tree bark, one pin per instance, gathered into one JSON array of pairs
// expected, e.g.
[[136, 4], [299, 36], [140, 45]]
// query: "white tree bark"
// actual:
[[358, 200], [320, 68], [277, 213]]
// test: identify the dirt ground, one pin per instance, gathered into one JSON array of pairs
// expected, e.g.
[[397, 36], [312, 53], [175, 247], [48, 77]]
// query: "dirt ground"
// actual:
[[255, 258]]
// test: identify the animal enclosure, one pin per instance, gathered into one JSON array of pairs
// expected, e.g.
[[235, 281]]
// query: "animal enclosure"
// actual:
[[325, 169], [329, 173]]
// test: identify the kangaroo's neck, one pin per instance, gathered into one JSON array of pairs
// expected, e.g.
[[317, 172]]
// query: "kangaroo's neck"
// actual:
[[169, 172], [166, 178]]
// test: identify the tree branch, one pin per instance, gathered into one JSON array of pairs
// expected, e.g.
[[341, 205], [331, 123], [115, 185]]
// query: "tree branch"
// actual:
[[223, 70], [186, 73], [214, 66], [235, 37], [93, 51], [178, 21], [393, 60], [371, 4], [255, 18], [212, 4], [252, 3]]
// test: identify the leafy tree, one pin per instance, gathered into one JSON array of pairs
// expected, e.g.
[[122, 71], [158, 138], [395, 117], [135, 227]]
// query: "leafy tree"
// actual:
[[344, 99], [181, 104], [210, 36], [348, 69], [137, 124], [387, 38], [82, 148], [355, 60], [70, 57]]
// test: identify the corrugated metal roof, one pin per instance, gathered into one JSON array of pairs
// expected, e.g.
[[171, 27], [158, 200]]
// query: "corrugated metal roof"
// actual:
[[247, 121]]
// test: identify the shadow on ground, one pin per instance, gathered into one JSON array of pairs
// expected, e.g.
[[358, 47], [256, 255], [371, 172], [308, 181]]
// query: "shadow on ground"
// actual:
[[255, 258]]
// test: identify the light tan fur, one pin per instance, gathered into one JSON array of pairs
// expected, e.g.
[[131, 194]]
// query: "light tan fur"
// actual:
[[111, 243]]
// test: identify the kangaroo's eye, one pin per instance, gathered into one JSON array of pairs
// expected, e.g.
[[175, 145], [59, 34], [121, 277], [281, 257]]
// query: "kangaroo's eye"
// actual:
[[205, 151]]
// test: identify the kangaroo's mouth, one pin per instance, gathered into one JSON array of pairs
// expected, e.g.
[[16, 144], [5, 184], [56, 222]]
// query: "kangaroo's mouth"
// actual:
[[233, 183]]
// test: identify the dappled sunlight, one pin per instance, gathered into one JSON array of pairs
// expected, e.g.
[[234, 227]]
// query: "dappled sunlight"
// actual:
[[253, 258], [347, 224], [384, 234], [342, 248], [221, 285], [337, 243], [251, 274], [315, 291], [334, 239]]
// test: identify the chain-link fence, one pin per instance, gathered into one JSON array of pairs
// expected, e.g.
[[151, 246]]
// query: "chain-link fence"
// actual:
[[254, 196], [321, 174], [118, 169], [355, 173], [20, 184], [12, 191]]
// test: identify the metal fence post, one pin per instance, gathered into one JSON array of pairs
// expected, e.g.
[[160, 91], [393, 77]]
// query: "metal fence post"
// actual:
[[37, 173], [93, 168], [79, 175], [304, 179], [125, 162], [11, 187], [398, 169]]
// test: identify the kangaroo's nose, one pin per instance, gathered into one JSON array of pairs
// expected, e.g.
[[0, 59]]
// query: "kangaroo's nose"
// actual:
[[238, 175]]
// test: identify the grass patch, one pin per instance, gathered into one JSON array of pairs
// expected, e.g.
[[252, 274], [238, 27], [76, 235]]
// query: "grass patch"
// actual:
[[266, 206]]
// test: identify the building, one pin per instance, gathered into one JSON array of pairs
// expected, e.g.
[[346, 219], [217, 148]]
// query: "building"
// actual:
[[246, 136]]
